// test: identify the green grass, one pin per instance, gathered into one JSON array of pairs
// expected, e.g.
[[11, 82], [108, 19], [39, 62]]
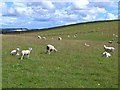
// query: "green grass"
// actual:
[[73, 66]]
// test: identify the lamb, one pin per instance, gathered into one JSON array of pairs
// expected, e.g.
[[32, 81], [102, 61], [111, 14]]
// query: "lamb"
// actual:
[[26, 52], [50, 48], [106, 54], [15, 52], [109, 49], [59, 38], [39, 37]]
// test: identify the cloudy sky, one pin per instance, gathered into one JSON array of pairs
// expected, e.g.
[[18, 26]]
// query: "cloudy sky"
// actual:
[[34, 14]]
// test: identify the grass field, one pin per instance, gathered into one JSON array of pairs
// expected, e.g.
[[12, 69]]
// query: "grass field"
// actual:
[[73, 66]]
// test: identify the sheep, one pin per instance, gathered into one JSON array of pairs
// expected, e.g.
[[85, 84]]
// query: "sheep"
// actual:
[[113, 34], [106, 54], [87, 45], [59, 38], [75, 36], [39, 37], [68, 35], [50, 48], [116, 36], [26, 52], [43, 37], [111, 41], [109, 49], [15, 52]]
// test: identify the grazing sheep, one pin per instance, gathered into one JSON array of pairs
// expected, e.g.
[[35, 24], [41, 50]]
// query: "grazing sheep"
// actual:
[[74, 36], [43, 37], [59, 38], [26, 52], [15, 52], [116, 36], [39, 37], [113, 34], [50, 48], [87, 45], [106, 54], [68, 35], [111, 41], [109, 49]]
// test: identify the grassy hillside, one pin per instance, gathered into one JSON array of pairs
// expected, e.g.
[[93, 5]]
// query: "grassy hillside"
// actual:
[[73, 66]]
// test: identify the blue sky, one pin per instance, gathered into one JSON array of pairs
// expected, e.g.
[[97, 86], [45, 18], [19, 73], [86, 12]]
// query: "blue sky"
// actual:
[[40, 14]]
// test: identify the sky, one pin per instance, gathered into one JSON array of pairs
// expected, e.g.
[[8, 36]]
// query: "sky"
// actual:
[[39, 14]]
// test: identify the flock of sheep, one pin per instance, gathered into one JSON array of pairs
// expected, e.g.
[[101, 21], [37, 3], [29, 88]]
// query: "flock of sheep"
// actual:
[[109, 50], [50, 48], [27, 52]]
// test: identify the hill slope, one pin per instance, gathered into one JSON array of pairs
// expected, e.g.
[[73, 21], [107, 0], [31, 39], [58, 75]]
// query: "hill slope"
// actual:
[[73, 66]]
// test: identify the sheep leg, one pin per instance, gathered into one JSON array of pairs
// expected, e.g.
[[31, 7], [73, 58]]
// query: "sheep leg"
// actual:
[[17, 54], [22, 57], [49, 51], [55, 50], [28, 55]]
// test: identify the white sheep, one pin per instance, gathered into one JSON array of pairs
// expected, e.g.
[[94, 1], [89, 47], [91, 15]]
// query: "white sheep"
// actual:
[[50, 48], [87, 45], [111, 41], [116, 36], [15, 52], [26, 52], [75, 36], [59, 38], [109, 49], [113, 34], [43, 37], [106, 54], [39, 37], [68, 35]]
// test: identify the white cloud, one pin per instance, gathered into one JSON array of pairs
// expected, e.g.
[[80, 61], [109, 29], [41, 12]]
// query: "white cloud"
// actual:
[[70, 23], [47, 4], [96, 10], [3, 8], [111, 16], [101, 0], [65, 13], [104, 4], [11, 11], [79, 4], [8, 20], [21, 9], [89, 18]]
